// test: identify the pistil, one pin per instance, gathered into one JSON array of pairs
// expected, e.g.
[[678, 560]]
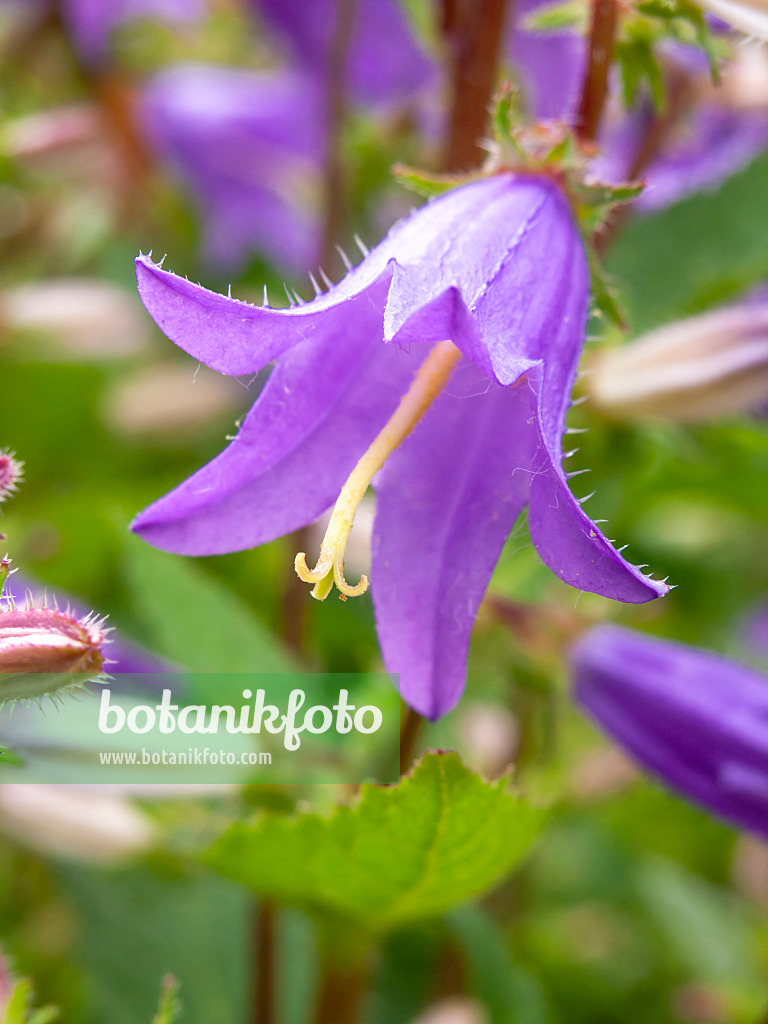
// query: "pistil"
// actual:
[[427, 384]]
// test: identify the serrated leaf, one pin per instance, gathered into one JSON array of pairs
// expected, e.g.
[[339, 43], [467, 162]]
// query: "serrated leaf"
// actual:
[[441, 836], [604, 298], [638, 64], [193, 620]]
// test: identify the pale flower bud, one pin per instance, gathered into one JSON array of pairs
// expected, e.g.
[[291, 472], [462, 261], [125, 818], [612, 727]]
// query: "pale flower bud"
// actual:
[[44, 651], [170, 398], [50, 135], [711, 365], [748, 16], [85, 318], [454, 1010], [73, 822], [745, 79]]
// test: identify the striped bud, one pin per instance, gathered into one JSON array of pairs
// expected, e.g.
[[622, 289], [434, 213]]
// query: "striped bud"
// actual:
[[706, 366], [46, 650], [748, 16]]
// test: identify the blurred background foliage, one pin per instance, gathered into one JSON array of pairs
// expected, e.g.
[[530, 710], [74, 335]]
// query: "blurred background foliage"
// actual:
[[635, 908]]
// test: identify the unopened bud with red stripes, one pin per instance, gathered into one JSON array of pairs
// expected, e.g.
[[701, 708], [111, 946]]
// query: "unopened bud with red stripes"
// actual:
[[46, 650]]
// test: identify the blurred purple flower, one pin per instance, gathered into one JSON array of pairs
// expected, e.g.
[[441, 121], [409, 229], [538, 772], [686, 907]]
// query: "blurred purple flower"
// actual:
[[249, 145], [713, 142], [497, 266], [754, 630], [385, 64], [550, 65], [697, 720], [715, 137], [91, 21]]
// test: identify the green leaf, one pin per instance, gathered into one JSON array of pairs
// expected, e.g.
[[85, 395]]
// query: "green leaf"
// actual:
[[638, 63], [19, 1009], [193, 620], [443, 835], [556, 17], [686, 258], [9, 757], [135, 925], [510, 994], [427, 184], [604, 298], [700, 923]]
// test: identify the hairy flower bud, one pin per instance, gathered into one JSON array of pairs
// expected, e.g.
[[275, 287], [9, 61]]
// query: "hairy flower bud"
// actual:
[[44, 651], [711, 365], [11, 472]]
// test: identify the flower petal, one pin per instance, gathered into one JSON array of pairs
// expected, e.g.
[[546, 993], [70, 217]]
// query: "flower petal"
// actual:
[[249, 146], [235, 337], [385, 64], [91, 21], [575, 549], [447, 499], [516, 252], [565, 537], [535, 55], [712, 143], [322, 407]]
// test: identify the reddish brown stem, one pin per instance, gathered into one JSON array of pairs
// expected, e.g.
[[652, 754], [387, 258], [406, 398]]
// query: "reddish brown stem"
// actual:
[[340, 997], [678, 94], [410, 727], [264, 989], [334, 184], [118, 104], [594, 90], [473, 30], [295, 597]]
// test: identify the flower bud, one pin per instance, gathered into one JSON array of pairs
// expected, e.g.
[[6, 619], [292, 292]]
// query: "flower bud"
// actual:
[[696, 720], [50, 136], [711, 365], [169, 398], [11, 472], [74, 822], [44, 651], [85, 318], [748, 16]]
